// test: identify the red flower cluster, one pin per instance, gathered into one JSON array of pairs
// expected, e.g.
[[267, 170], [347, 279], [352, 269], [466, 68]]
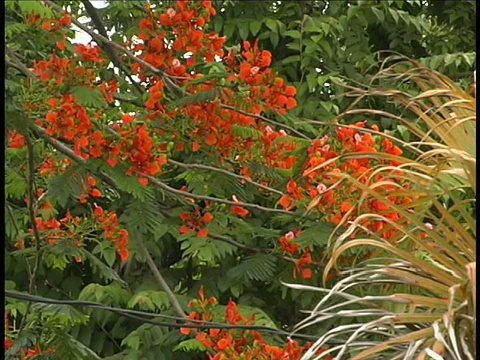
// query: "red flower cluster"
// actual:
[[183, 26], [89, 189], [237, 344], [68, 120], [15, 140], [52, 25], [53, 166], [135, 145], [287, 245], [338, 200], [64, 72], [195, 221], [112, 231]]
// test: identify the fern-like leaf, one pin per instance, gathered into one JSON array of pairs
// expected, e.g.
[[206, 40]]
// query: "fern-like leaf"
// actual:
[[259, 267]]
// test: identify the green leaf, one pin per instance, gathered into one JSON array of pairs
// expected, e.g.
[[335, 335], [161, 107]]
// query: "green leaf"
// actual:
[[246, 132], [217, 23], [149, 300], [315, 235], [68, 185], [145, 217], [325, 45], [293, 34], [259, 267], [15, 185], [202, 96], [207, 250], [255, 26], [272, 25], [274, 38], [109, 255], [89, 97], [101, 269], [290, 59], [35, 8], [15, 28], [127, 97], [312, 81], [378, 14], [228, 30], [394, 14], [65, 314], [190, 345], [243, 30], [132, 341], [404, 132], [126, 183]]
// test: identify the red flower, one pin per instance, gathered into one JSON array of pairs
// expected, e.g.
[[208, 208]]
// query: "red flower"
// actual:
[[15, 140], [202, 233], [238, 210], [207, 217], [184, 230]]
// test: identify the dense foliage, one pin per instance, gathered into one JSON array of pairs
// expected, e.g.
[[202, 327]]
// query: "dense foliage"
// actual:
[[186, 162]]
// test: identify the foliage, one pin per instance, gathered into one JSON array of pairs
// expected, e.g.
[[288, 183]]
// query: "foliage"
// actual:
[[162, 158], [320, 45], [429, 259]]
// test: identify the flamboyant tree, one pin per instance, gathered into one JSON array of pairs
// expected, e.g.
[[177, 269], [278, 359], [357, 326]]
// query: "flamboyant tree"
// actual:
[[160, 170]]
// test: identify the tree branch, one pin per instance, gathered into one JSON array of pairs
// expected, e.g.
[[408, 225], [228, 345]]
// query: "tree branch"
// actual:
[[267, 120], [186, 194], [226, 172], [106, 46], [156, 273], [102, 39], [31, 214], [18, 64]]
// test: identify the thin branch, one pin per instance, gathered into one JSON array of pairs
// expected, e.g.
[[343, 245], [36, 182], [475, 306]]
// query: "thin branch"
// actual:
[[181, 193], [18, 64], [102, 39], [267, 120], [31, 209], [156, 273], [97, 21], [230, 241], [31, 214], [226, 172], [71, 154]]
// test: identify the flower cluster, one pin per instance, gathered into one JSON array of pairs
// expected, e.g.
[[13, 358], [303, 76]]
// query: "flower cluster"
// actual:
[[334, 198], [195, 221], [287, 245], [15, 140], [238, 344], [183, 26], [112, 230]]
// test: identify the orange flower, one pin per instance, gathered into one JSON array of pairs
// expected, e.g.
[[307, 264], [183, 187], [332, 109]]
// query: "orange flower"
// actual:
[[142, 181], [306, 273], [185, 331], [123, 253], [207, 217], [184, 230], [202, 233], [195, 146], [238, 210], [96, 193], [214, 332], [224, 343]]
